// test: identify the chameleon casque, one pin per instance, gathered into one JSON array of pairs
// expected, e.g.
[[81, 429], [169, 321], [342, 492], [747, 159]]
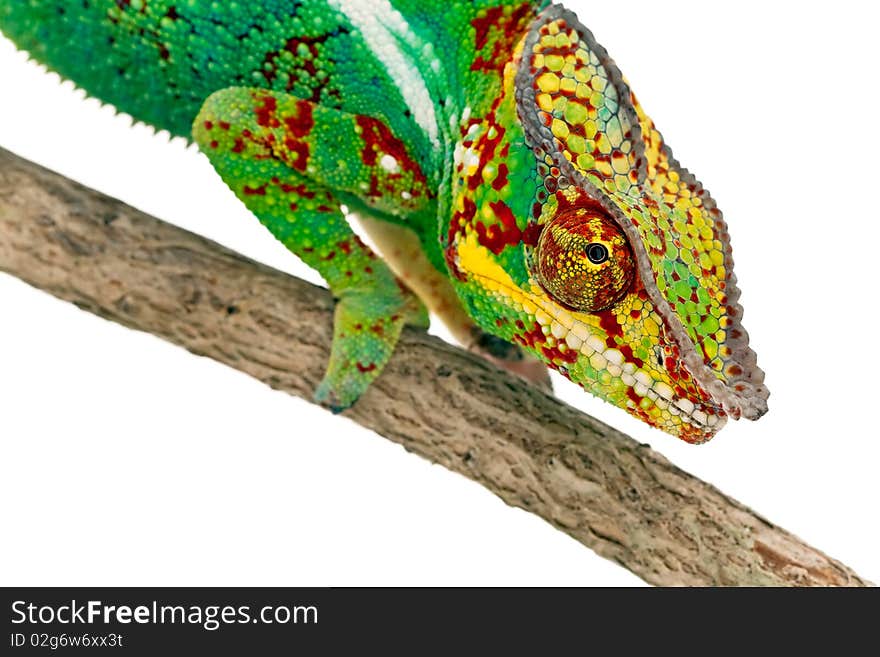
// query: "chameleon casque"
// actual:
[[491, 150]]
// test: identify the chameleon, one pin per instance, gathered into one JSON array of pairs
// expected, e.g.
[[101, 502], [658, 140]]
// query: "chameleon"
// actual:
[[492, 153]]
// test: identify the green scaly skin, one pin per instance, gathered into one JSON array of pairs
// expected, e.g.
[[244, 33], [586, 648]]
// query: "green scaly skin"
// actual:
[[499, 132]]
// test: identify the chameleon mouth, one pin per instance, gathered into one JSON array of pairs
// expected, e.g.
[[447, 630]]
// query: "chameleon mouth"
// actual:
[[572, 334], [576, 335]]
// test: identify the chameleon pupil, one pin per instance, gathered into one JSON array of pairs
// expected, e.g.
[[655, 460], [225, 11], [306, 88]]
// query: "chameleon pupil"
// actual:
[[597, 253]]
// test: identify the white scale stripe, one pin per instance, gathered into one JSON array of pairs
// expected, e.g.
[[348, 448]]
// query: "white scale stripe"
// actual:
[[383, 27]]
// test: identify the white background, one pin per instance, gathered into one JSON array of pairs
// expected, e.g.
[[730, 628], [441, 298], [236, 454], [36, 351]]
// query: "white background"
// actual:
[[126, 460]]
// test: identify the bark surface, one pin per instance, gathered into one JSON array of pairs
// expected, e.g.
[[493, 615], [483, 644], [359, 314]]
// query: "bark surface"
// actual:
[[617, 497]]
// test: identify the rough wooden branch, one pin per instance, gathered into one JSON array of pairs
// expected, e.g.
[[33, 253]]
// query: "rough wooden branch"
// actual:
[[615, 496]]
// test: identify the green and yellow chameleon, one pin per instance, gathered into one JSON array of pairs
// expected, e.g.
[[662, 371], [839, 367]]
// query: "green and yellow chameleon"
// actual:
[[490, 149]]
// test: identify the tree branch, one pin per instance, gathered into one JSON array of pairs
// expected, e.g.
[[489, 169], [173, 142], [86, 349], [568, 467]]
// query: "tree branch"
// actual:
[[615, 496]]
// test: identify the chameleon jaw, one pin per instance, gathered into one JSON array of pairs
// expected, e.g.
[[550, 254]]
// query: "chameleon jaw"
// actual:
[[705, 419], [709, 419], [573, 343]]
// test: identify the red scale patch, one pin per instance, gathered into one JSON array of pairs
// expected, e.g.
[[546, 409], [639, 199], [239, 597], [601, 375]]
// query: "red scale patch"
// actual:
[[378, 139], [457, 226], [265, 110], [500, 31], [255, 191], [535, 339], [301, 123], [497, 236]]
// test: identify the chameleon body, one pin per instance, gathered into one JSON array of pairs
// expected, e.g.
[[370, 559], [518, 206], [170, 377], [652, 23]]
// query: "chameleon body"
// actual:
[[492, 150]]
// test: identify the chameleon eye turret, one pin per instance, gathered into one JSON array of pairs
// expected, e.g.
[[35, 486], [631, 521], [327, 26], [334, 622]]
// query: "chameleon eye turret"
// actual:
[[584, 261]]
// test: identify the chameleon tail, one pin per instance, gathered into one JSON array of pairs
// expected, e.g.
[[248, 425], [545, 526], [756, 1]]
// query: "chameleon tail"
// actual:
[[113, 58]]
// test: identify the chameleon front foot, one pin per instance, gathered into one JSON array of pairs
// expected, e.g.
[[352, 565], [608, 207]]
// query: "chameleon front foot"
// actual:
[[509, 357], [366, 330], [281, 156]]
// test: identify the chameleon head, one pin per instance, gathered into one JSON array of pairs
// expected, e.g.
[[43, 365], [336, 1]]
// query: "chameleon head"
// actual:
[[597, 252]]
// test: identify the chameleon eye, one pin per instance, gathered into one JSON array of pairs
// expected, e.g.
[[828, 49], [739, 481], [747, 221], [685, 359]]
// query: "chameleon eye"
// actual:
[[597, 253], [584, 261]]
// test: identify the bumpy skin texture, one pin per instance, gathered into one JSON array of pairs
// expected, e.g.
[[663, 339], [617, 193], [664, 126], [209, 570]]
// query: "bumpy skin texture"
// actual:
[[499, 132]]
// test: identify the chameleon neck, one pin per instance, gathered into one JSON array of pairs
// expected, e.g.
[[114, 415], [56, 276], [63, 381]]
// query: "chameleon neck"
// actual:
[[494, 181]]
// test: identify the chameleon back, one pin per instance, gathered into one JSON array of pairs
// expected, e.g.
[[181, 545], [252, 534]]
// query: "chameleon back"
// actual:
[[158, 60]]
